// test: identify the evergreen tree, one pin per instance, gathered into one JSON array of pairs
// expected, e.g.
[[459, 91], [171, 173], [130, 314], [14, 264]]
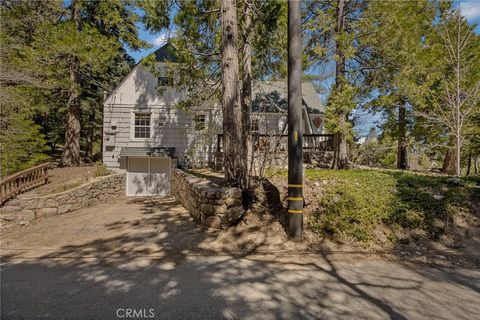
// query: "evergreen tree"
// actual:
[[334, 34], [398, 81]]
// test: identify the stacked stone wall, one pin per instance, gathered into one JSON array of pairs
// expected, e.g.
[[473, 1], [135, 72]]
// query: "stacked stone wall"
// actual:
[[209, 204], [98, 191]]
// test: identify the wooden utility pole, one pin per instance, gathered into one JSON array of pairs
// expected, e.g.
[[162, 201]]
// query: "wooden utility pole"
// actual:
[[295, 130]]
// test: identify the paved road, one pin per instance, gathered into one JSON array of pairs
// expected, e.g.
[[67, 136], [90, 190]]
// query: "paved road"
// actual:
[[78, 267]]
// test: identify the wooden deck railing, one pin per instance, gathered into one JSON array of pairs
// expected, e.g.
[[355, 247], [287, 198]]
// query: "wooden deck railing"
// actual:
[[23, 181], [312, 142]]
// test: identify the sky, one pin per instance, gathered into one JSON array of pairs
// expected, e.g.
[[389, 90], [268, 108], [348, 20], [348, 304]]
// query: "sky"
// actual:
[[470, 9], [365, 121]]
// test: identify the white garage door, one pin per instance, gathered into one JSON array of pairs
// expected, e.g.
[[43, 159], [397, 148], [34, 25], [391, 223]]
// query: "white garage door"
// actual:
[[148, 176]]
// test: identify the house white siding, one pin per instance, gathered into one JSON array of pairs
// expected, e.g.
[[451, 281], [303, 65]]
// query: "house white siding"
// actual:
[[170, 127]]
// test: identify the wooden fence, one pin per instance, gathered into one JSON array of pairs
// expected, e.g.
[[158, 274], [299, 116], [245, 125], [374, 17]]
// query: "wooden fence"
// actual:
[[23, 181], [312, 142]]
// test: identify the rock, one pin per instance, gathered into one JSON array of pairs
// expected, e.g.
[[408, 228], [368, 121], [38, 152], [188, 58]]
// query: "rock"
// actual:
[[47, 212], [64, 208], [316, 184], [206, 209], [213, 222], [8, 217], [232, 202], [30, 204], [220, 209], [438, 197], [28, 215], [10, 208], [235, 213], [51, 203], [455, 181], [237, 193], [23, 223]]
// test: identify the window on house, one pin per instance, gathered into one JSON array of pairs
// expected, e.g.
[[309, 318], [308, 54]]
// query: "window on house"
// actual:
[[255, 125], [164, 81], [142, 125], [199, 122]]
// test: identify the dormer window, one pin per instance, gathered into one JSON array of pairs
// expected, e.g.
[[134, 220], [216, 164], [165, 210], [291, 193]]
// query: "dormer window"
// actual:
[[164, 81]]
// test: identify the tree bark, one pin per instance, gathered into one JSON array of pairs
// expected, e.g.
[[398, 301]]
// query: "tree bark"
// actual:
[[71, 149], [402, 160], [469, 164], [246, 94], [449, 163], [340, 154], [235, 158]]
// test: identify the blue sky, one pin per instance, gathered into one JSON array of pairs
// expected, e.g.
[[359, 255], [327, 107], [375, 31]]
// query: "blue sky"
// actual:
[[470, 9]]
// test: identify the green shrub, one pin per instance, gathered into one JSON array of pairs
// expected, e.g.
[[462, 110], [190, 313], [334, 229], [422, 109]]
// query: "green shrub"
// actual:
[[356, 204], [101, 169]]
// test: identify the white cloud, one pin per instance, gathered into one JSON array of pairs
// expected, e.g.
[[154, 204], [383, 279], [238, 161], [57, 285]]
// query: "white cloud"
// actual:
[[470, 9], [160, 40]]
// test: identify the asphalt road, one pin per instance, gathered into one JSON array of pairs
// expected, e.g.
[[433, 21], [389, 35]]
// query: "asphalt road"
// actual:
[[149, 261], [256, 287]]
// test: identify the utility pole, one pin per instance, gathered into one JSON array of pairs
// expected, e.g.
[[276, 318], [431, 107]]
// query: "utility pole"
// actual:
[[295, 130]]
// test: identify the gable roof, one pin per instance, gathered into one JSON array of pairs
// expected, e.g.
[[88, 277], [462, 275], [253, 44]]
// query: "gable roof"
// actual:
[[272, 96], [267, 96], [166, 53]]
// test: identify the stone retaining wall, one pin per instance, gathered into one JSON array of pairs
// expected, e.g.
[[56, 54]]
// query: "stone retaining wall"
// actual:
[[98, 191], [209, 204]]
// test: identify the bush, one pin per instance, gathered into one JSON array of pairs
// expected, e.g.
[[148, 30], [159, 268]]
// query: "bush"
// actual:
[[357, 204], [101, 169]]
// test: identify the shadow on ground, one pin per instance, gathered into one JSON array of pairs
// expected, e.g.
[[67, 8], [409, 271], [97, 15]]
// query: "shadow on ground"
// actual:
[[159, 259]]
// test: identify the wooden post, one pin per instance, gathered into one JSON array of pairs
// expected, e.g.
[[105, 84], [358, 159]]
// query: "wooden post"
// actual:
[[295, 134]]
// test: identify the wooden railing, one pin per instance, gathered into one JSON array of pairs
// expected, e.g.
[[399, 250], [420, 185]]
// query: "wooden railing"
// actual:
[[279, 142], [23, 181]]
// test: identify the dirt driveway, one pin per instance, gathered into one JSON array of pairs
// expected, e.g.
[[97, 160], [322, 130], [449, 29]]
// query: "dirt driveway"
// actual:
[[148, 255]]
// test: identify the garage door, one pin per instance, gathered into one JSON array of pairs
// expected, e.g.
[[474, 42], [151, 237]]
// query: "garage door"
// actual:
[[148, 176]]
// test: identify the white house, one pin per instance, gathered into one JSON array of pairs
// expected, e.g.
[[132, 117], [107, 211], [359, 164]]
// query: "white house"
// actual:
[[145, 134]]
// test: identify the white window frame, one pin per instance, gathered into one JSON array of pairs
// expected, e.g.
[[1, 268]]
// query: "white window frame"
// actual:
[[257, 120], [132, 124], [204, 124]]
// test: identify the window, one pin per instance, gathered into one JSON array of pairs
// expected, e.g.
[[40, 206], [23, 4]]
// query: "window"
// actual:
[[199, 122], [164, 81], [255, 125], [142, 125]]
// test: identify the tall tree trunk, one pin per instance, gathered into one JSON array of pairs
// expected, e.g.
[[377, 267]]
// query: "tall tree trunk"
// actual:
[[71, 149], [469, 164], [235, 158], [340, 154], [402, 161], [449, 163], [90, 137], [246, 97]]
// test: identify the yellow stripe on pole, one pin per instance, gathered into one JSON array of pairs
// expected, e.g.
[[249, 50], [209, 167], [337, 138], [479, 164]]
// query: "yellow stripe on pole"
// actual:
[[295, 198], [295, 136], [295, 211], [295, 185]]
